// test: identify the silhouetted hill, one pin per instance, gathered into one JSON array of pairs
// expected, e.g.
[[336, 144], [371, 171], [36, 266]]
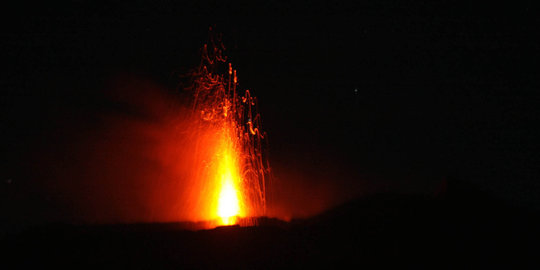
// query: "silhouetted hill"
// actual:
[[448, 231]]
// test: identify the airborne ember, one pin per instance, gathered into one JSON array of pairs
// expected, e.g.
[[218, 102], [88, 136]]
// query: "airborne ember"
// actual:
[[229, 158]]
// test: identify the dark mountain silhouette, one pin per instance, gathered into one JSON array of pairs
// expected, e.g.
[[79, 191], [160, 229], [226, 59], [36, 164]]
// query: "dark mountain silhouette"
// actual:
[[453, 229]]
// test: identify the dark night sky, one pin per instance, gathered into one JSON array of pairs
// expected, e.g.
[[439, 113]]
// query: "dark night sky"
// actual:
[[379, 96]]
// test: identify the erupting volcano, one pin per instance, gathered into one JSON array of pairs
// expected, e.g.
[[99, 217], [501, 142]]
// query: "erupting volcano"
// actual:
[[228, 162]]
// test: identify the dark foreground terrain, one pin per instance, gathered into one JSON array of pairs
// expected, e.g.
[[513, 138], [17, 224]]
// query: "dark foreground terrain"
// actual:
[[459, 229]]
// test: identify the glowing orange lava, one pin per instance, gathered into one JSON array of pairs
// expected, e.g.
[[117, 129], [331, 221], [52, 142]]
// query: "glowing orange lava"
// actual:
[[229, 160], [229, 182]]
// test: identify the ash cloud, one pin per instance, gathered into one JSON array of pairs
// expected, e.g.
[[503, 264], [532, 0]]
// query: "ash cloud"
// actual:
[[118, 162], [125, 159]]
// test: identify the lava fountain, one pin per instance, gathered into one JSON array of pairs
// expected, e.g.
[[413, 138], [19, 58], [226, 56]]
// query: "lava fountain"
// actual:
[[229, 160]]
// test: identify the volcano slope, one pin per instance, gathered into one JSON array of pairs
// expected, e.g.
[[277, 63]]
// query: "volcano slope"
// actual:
[[461, 226]]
